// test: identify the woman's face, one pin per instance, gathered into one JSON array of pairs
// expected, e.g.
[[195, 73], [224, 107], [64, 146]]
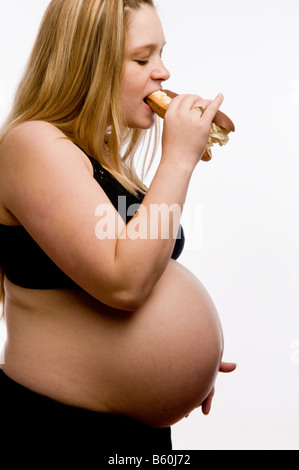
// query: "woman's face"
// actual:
[[144, 70]]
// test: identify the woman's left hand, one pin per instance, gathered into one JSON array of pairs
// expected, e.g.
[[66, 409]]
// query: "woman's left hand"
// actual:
[[207, 403]]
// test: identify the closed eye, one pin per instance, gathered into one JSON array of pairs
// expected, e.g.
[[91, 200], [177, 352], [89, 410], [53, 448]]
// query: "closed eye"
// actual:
[[142, 62]]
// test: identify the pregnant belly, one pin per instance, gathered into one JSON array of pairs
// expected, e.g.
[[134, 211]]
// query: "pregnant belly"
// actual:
[[155, 365], [169, 353]]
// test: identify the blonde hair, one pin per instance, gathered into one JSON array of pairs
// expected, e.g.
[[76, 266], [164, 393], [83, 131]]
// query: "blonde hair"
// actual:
[[73, 80]]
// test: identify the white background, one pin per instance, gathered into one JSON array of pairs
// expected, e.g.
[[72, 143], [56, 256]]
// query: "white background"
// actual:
[[247, 251]]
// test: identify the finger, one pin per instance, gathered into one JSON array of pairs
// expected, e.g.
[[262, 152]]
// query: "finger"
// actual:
[[227, 367], [207, 404], [213, 107], [187, 102], [201, 106]]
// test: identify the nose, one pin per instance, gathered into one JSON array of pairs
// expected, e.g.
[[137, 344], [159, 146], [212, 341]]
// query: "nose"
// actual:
[[160, 72]]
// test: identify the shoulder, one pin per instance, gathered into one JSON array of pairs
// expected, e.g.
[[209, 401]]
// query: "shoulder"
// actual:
[[29, 134], [34, 141], [35, 155]]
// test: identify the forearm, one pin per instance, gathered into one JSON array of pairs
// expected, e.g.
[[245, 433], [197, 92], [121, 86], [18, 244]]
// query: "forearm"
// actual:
[[145, 246]]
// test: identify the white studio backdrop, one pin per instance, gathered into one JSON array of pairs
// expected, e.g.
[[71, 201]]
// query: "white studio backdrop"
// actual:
[[244, 204]]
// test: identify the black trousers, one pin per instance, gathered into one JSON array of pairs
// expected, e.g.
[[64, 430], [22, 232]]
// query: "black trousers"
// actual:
[[34, 427]]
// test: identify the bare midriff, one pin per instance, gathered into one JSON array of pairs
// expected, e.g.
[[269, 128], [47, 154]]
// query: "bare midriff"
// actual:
[[154, 365]]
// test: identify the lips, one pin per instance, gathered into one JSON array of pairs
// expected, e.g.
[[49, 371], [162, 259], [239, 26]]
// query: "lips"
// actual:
[[148, 106]]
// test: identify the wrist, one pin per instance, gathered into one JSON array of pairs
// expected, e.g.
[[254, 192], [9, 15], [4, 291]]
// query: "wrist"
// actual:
[[180, 165]]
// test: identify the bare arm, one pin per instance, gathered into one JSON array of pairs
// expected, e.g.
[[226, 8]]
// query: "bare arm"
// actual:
[[184, 139], [48, 187]]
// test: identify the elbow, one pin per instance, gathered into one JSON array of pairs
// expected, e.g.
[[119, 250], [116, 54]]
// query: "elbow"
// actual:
[[137, 296], [127, 294], [129, 299], [132, 301]]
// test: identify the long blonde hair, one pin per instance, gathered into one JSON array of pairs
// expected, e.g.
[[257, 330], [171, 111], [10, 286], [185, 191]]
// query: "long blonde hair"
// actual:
[[73, 80]]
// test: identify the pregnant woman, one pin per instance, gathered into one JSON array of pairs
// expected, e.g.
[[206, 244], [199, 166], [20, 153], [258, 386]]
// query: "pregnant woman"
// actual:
[[109, 339]]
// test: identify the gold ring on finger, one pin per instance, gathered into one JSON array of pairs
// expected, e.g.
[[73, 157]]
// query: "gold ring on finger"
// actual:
[[200, 108]]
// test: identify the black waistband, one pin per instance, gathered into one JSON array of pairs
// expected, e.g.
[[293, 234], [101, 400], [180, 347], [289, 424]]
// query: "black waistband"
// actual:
[[28, 417]]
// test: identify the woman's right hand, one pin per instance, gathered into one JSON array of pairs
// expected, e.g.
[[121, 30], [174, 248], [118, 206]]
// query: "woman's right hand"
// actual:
[[187, 129]]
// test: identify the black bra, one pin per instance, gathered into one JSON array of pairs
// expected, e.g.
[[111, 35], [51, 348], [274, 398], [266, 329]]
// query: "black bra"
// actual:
[[27, 265]]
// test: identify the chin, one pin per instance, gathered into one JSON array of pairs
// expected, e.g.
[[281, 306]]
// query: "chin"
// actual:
[[142, 119], [144, 124]]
